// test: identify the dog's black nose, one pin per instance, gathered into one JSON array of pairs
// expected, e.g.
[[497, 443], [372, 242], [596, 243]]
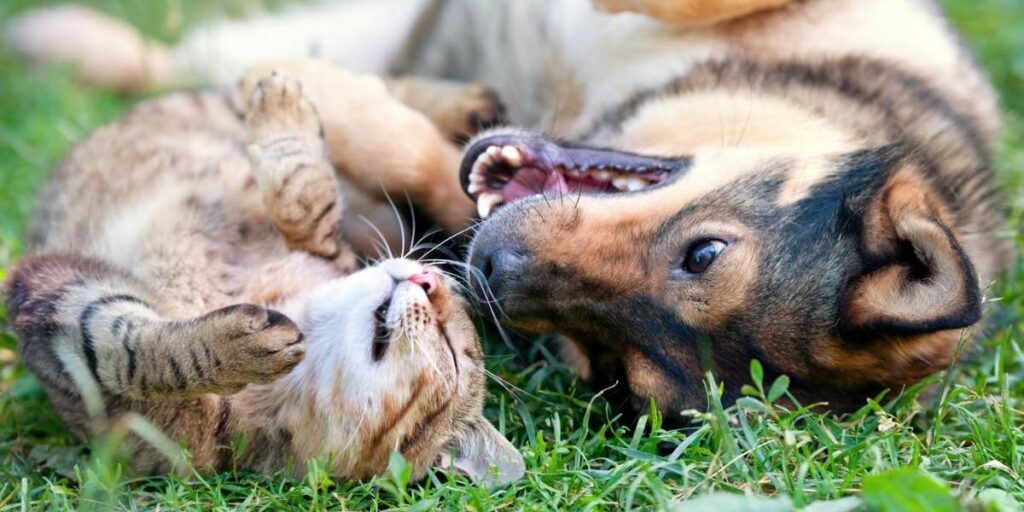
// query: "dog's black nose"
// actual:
[[499, 266]]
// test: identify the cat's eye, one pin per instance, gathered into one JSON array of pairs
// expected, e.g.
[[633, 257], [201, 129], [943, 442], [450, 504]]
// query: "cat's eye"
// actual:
[[381, 333], [701, 255]]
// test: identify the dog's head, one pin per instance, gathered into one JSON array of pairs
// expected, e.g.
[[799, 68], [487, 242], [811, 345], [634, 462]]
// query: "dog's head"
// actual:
[[840, 269]]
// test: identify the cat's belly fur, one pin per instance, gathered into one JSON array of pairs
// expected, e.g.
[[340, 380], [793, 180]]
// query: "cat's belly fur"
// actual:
[[168, 186]]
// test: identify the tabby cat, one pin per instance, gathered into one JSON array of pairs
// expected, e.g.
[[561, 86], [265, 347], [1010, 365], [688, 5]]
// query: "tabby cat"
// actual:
[[185, 265]]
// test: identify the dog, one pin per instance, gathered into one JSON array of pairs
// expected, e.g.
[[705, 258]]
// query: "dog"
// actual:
[[683, 185]]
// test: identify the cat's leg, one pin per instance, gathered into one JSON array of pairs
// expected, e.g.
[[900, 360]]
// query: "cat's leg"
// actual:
[[379, 144], [84, 324], [290, 164], [458, 109]]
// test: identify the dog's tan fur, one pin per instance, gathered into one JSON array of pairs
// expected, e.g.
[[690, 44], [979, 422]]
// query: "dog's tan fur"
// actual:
[[691, 12], [360, 127], [863, 122]]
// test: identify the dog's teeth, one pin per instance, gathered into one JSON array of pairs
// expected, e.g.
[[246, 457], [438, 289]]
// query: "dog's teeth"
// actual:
[[511, 155], [477, 174], [573, 173], [494, 152], [601, 175], [626, 183], [483, 159], [486, 202], [636, 184], [478, 170], [474, 187]]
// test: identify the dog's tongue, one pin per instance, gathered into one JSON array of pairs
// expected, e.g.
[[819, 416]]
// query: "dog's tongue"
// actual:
[[528, 182]]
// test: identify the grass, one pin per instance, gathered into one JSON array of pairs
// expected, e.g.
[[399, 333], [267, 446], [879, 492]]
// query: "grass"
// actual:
[[960, 447]]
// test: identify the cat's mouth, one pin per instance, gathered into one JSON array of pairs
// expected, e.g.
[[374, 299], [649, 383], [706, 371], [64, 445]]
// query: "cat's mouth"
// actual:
[[381, 332], [499, 169]]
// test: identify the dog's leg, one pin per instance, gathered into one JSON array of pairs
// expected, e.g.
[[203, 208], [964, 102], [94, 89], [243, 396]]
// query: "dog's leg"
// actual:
[[365, 35], [376, 142], [104, 51], [691, 12], [458, 109]]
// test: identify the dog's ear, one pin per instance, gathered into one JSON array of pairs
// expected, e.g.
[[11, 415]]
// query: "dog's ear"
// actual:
[[917, 288]]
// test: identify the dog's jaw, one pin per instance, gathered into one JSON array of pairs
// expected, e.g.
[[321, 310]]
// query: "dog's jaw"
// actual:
[[501, 168]]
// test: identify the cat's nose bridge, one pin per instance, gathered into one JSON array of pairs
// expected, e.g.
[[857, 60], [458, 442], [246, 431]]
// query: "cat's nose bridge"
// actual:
[[402, 270]]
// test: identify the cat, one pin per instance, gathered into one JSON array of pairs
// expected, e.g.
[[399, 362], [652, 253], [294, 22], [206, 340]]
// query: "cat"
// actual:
[[185, 265]]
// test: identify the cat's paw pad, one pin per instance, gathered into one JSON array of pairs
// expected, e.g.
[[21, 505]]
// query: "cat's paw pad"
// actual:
[[256, 345], [278, 107]]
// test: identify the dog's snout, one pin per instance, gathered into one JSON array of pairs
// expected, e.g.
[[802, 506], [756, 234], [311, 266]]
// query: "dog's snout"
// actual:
[[504, 263], [501, 265]]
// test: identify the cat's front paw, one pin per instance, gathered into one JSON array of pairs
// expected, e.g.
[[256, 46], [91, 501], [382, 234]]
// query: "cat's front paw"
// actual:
[[278, 108], [254, 345], [290, 165]]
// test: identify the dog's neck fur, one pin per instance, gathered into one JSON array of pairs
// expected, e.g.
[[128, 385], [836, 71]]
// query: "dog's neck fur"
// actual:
[[560, 77]]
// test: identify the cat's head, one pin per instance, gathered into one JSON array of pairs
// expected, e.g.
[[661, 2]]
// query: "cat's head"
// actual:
[[397, 366]]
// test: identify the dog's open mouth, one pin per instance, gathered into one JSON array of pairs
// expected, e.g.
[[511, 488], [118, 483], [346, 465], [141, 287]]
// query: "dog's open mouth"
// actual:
[[500, 169]]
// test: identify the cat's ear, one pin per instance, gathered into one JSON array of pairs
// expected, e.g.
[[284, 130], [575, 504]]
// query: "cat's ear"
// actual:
[[484, 455]]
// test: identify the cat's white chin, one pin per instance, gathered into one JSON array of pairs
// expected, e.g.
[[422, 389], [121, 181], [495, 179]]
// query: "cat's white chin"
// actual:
[[344, 320]]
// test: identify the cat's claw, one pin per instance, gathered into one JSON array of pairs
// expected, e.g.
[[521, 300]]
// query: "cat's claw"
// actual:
[[254, 345], [278, 106]]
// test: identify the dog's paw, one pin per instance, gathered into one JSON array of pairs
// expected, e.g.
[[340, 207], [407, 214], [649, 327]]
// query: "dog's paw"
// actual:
[[480, 108], [254, 345], [278, 107]]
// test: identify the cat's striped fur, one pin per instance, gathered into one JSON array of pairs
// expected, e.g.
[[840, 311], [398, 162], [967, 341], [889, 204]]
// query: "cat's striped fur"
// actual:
[[186, 265]]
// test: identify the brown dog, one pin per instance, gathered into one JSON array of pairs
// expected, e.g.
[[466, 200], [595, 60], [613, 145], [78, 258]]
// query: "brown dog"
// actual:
[[804, 182]]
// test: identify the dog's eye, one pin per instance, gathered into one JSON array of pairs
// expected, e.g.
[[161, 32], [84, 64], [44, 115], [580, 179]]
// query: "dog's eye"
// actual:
[[701, 255]]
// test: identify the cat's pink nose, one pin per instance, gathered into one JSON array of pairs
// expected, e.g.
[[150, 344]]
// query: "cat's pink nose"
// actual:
[[427, 279]]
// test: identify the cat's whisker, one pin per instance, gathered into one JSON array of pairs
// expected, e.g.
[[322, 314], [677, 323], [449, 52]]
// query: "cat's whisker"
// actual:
[[383, 239], [358, 428], [513, 390], [422, 243], [473, 273], [489, 299], [412, 222], [380, 251], [398, 217], [441, 244], [418, 346]]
